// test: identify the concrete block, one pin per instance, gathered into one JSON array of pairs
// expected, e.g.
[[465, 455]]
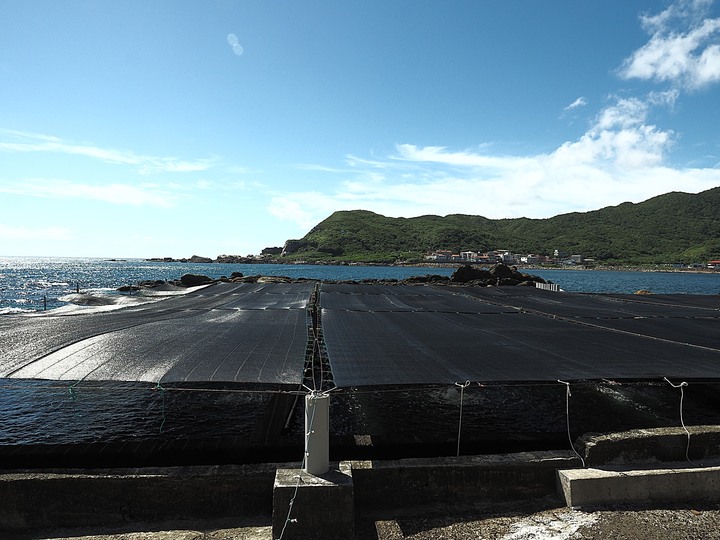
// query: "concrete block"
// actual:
[[74, 498], [668, 444], [452, 482], [597, 487], [322, 506]]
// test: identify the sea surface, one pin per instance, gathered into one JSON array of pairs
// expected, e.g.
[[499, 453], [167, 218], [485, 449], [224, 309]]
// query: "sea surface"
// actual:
[[36, 283]]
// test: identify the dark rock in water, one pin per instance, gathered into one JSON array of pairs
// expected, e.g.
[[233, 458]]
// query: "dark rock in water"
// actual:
[[199, 259], [144, 284], [233, 259], [530, 279], [468, 273], [428, 278], [502, 271], [150, 283], [246, 279], [128, 288], [500, 274], [236, 275], [192, 280]]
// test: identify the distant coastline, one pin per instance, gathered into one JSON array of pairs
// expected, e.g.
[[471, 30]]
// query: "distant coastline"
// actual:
[[236, 259]]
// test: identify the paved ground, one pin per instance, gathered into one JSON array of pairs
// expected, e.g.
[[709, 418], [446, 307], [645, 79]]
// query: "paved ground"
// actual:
[[529, 520]]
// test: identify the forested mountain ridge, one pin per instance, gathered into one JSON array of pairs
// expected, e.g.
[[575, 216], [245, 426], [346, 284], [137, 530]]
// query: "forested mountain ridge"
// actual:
[[672, 228]]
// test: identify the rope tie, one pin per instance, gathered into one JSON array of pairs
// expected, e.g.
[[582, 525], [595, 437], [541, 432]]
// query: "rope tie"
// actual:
[[162, 410], [462, 387], [71, 390], [682, 386], [567, 419]]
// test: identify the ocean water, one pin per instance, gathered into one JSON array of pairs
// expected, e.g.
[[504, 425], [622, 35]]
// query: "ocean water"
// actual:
[[36, 283], [628, 282]]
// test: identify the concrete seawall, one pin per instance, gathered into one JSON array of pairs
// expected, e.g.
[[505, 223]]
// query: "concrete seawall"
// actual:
[[42, 499], [411, 483]]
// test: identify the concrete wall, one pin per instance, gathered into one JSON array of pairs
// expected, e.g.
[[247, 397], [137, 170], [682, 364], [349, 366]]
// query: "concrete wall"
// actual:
[[650, 445], [117, 497], [452, 482], [33, 500]]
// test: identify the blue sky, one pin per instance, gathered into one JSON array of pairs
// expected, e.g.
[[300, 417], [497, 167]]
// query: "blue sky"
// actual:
[[173, 128]]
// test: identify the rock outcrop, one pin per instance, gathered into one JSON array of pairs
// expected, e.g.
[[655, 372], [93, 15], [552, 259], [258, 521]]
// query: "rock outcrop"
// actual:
[[199, 259], [290, 247], [500, 274], [193, 280]]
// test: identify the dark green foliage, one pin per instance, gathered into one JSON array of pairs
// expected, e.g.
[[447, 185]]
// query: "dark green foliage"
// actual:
[[671, 228]]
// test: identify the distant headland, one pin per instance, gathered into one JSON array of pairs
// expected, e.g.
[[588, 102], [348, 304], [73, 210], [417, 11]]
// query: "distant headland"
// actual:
[[675, 231]]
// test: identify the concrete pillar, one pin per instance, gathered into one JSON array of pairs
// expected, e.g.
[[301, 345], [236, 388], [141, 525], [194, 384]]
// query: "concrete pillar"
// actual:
[[317, 434], [309, 507]]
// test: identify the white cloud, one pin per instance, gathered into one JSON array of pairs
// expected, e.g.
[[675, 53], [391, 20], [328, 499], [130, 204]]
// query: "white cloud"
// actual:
[[579, 102], [438, 154], [619, 158], [32, 142], [684, 48], [234, 43], [302, 209], [123, 194]]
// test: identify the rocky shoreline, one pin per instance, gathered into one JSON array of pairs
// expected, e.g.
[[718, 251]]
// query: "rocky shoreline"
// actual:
[[268, 259], [498, 275]]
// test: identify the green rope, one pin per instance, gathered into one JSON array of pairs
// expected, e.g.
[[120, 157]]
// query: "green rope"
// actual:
[[71, 390], [162, 393]]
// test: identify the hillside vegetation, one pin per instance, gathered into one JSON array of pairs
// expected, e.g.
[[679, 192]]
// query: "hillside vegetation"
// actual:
[[671, 228]]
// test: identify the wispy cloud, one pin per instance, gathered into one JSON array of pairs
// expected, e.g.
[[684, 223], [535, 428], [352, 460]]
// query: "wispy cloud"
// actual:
[[684, 48], [579, 102], [320, 168], [234, 43], [121, 194], [17, 141]]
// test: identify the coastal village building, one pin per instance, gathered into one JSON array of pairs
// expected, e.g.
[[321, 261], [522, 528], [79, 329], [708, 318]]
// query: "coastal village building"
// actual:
[[504, 256], [530, 259], [442, 255]]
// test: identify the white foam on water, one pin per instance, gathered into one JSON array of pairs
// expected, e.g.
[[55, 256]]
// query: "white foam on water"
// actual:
[[14, 310], [102, 300]]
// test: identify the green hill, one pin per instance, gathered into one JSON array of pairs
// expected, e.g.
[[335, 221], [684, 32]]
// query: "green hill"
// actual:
[[671, 228]]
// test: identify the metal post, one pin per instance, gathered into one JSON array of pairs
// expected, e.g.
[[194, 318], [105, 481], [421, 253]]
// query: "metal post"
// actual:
[[317, 434]]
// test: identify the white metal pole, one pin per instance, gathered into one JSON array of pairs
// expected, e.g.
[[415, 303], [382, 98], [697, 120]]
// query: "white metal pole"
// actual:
[[317, 434]]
